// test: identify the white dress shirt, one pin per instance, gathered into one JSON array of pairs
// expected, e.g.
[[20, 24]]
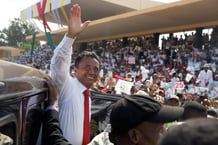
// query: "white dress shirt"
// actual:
[[71, 100], [205, 77]]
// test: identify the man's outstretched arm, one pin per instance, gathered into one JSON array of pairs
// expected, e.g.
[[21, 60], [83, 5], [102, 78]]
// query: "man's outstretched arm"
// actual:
[[60, 62]]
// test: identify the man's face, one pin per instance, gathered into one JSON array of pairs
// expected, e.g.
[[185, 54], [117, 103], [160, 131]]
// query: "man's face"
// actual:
[[173, 102], [206, 69], [215, 104], [87, 71]]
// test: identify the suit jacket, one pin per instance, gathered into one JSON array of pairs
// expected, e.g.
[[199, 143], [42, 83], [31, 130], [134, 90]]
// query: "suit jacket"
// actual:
[[33, 123], [51, 129]]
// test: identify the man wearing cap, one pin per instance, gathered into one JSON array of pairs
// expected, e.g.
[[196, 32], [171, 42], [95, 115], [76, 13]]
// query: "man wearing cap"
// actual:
[[139, 119], [172, 101], [205, 76], [135, 119]]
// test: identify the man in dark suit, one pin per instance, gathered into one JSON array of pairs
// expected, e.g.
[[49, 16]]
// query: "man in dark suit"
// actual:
[[147, 115], [51, 126]]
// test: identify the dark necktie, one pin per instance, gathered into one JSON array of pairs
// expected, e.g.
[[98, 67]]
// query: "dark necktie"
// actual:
[[86, 127]]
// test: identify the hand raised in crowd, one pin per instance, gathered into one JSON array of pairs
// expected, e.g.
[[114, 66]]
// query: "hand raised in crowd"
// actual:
[[75, 25], [52, 93]]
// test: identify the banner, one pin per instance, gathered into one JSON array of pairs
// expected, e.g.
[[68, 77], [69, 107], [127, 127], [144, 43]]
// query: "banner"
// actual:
[[47, 7], [123, 86], [179, 85], [64, 2], [22, 15], [57, 18], [192, 89], [194, 66], [197, 66], [172, 88], [213, 89], [33, 43], [169, 89], [131, 60], [188, 77], [26, 14], [64, 14], [41, 9], [49, 38], [35, 11], [116, 76], [55, 11]]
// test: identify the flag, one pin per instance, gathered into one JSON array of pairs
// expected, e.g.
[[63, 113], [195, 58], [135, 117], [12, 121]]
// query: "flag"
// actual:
[[48, 36], [33, 43]]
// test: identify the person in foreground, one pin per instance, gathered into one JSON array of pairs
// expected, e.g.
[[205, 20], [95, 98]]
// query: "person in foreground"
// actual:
[[139, 120], [200, 131], [135, 119], [51, 125], [74, 101]]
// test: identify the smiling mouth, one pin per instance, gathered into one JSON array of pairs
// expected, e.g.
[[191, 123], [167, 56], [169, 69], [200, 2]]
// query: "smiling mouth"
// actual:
[[91, 78]]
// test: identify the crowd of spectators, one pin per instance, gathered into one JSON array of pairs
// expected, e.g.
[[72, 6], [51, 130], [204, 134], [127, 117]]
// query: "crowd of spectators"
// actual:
[[39, 58], [167, 73]]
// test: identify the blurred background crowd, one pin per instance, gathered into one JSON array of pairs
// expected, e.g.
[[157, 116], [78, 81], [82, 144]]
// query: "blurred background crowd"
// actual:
[[178, 71]]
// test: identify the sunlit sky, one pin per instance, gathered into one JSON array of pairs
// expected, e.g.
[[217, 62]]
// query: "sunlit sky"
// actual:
[[10, 9]]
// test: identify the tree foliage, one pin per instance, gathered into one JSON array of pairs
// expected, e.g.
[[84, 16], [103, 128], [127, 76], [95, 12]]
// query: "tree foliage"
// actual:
[[16, 33]]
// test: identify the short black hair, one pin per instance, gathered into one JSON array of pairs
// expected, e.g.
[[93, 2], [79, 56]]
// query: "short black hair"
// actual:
[[86, 54], [201, 131], [193, 109], [194, 106]]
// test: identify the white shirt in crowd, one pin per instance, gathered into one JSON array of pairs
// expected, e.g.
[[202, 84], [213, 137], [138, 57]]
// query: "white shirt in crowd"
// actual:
[[71, 101], [205, 77], [213, 67]]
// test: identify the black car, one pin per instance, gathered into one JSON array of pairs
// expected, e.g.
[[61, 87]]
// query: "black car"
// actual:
[[23, 99]]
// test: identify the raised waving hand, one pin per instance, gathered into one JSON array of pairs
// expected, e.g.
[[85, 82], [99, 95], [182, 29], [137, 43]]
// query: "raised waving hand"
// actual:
[[75, 25]]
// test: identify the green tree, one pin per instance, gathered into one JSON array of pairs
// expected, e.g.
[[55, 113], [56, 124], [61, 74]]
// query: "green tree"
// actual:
[[16, 33]]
